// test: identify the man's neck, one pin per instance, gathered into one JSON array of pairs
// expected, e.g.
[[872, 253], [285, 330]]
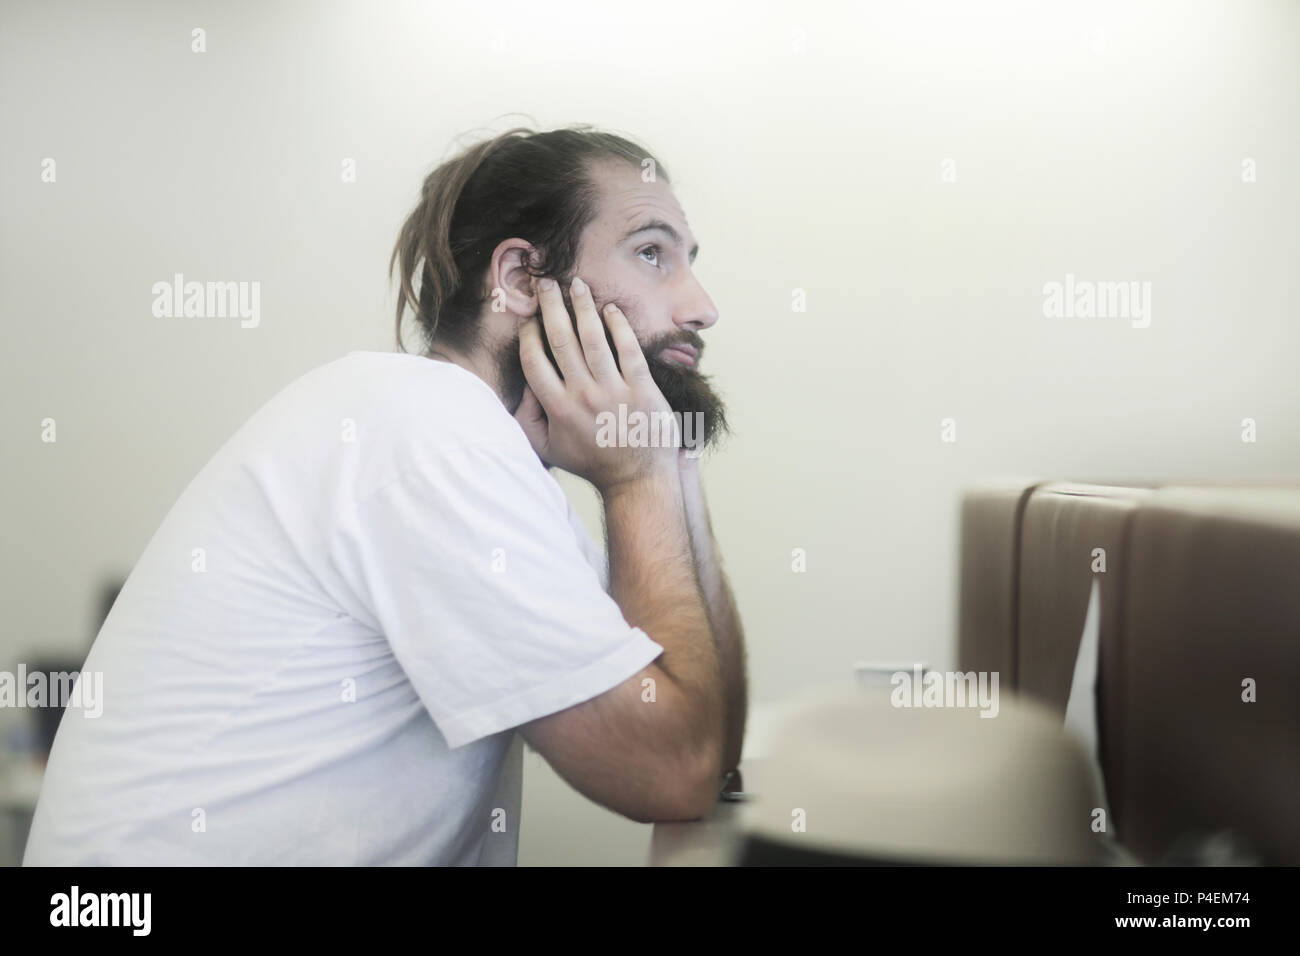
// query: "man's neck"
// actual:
[[483, 370]]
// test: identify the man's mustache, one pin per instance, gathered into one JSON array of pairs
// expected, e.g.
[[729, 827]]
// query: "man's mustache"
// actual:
[[653, 349], [674, 339]]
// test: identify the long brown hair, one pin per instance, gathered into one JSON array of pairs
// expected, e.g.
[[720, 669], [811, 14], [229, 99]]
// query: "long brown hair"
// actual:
[[522, 184]]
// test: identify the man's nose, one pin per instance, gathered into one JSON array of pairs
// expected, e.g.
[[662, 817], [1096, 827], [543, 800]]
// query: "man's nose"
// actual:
[[696, 310]]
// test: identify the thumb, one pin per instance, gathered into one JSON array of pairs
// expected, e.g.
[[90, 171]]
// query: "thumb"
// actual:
[[532, 419]]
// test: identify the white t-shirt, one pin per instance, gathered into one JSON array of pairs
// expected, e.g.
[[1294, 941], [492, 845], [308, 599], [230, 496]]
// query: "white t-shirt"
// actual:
[[322, 654]]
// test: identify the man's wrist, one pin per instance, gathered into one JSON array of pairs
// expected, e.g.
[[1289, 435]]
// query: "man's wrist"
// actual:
[[655, 483]]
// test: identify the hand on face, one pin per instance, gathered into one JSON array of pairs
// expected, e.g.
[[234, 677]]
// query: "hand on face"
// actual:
[[561, 412]]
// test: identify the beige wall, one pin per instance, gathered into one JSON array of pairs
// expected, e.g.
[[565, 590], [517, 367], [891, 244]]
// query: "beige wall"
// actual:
[[809, 149]]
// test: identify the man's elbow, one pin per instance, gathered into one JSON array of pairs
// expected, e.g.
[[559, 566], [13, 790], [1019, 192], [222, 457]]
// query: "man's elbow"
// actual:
[[688, 792], [692, 776], [698, 791]]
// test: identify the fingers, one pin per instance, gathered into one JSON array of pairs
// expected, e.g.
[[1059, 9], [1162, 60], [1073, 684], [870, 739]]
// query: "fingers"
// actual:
[[591, 332], [559, 333], [532, 419], [630, 357], [530, 413], [538, 372]]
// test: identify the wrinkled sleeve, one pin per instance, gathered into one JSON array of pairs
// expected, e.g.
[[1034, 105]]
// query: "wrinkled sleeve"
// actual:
[[469, 563]]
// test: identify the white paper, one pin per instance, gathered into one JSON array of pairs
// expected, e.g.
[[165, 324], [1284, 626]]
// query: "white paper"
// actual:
[[1081, 708]]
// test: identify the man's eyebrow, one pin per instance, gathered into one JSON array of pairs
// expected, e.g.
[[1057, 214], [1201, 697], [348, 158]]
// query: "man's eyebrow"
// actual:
[[663, 227]]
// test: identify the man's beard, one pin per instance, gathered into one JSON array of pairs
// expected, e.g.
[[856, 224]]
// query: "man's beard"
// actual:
[[702, 413]]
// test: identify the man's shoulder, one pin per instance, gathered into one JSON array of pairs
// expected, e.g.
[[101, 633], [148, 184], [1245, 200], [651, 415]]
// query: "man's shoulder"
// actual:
[[395, 372], [410, 398], [370, 417], [404, 414]]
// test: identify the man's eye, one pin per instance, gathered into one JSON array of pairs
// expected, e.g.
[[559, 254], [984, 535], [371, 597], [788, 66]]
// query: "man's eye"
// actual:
[[654, 250]]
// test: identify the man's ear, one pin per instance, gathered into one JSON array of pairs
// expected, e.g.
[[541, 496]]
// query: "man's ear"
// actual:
[[511, 288]]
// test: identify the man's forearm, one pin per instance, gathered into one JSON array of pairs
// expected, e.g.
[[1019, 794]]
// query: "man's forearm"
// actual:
[[653, 580], [724, 619]]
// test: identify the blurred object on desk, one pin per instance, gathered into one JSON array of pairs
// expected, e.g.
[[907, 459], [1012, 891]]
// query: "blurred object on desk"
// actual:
[[855, 778], [880, 676]]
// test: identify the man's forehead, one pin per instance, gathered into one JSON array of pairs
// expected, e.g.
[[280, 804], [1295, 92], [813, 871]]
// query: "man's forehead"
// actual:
[[628, 200]]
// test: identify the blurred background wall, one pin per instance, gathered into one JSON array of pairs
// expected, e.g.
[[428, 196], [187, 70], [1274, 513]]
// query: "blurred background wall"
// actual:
[[881, 192]]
